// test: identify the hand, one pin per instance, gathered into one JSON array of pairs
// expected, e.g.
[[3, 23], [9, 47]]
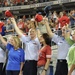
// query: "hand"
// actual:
[[46, 22], [21, 73], [70, 14], [43, 73], [69, 73], [12, 20], [0, 36], [7, 31], [41, 22]]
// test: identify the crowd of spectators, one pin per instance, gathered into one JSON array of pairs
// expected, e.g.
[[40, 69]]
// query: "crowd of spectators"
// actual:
[[26, 27], [6, 3], [25, 23]]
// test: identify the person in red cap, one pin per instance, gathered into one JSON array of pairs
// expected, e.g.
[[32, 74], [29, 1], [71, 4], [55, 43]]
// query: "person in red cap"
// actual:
[[21, 25]]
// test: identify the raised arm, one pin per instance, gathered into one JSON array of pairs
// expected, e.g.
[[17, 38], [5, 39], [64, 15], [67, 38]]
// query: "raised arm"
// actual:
[[16, 27], [2, 46], [68, 31], [50, 33], [37, 30], [3, 40]]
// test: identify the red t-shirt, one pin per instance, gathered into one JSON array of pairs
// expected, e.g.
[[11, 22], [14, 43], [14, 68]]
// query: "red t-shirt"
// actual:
[[26, 29], [21, 25], [18, 1], [1, 25], [43, 55], [63, 20]]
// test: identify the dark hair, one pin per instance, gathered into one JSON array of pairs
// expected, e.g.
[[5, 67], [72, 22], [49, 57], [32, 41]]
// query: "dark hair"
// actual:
[[47, 38]]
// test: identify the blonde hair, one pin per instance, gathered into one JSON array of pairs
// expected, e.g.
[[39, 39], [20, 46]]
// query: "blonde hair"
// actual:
[[17, 41]]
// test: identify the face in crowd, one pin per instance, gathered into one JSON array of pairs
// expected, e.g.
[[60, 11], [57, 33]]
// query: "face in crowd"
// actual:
[[64, 31], [15, 41], [32, 33], [73, 35], [41, 39], [45, 39]]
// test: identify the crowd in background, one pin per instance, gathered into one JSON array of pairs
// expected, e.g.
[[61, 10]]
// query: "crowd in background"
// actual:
[[26, 23], [6, 3]]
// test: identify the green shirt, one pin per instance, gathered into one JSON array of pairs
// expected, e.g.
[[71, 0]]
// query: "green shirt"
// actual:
[[69, 41], [71, 55]]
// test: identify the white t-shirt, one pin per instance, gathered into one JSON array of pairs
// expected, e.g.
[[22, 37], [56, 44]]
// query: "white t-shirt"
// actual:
[[2, 56]]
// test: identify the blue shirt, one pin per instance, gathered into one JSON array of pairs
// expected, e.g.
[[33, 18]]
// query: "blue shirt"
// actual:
[[15, 57], [3, 31]]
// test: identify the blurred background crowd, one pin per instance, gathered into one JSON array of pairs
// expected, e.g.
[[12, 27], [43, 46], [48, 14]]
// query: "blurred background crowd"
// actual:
[[26, 23], [6, 3]]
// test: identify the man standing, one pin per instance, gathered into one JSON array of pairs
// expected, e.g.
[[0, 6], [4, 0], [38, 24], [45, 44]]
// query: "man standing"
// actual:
[[32, 45], [64, 44]]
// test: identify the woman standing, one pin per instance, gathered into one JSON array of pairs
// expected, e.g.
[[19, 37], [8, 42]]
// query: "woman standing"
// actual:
[[44, 55], [15, 56]]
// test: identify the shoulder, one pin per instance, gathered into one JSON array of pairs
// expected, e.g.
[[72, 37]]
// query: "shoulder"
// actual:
[[36, 40], [21, 50], [56, 36], [48, 47]]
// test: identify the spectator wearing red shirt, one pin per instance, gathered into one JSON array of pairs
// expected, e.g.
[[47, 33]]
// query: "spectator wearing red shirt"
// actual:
[[21, 24], [18, 2], [57, 20], [2, 28], [23, 1], [1, 25], [64, 19], [24, 18], [27, 25], [44, 55]]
